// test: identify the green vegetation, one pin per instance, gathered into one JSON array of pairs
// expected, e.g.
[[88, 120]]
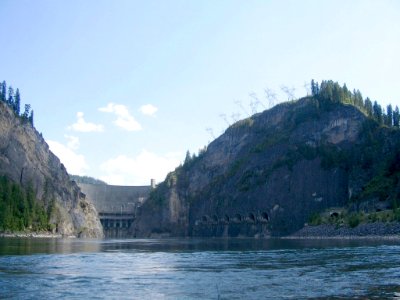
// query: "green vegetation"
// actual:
[[315, 219], [19, 210], [13, 100], [353, 219], [330, 93], [245, 123], [86, 179]]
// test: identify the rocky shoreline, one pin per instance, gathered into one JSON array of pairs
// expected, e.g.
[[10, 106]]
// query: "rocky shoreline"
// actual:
[[32, 235], [368, 230]]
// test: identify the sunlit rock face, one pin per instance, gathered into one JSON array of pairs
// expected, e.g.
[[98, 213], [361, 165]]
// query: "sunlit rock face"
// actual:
[[25, 158]]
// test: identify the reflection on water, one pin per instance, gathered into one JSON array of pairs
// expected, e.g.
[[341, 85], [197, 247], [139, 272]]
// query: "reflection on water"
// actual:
[[26, 246], [199, 269]]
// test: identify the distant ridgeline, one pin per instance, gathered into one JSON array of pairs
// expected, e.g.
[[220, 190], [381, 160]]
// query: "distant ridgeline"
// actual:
[[13, 100], [86, 179]]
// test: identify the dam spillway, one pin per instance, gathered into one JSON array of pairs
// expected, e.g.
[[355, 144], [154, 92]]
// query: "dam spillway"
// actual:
[[117, 206]]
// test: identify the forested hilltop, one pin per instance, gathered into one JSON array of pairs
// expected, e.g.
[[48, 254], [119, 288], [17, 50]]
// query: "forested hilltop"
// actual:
[[13, 100], [86, 179], [273, 172]]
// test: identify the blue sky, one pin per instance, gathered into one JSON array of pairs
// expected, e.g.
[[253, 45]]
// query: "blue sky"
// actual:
[[121, 89]]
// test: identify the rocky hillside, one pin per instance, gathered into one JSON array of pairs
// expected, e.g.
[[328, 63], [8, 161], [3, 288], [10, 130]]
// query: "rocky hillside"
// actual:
[[270, 173], [25, 159]]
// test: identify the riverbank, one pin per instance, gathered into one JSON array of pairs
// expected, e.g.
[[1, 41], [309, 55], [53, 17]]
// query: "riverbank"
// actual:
[[367, 230], [32, 235]]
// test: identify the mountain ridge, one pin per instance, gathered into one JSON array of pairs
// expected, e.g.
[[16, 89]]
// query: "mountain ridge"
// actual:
[[286, 163]]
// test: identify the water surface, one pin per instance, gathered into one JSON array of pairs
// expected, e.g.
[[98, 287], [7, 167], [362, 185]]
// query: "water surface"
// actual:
[[199, 269]]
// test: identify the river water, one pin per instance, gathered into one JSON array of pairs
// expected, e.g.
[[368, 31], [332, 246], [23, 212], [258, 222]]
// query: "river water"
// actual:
[[199, 269]]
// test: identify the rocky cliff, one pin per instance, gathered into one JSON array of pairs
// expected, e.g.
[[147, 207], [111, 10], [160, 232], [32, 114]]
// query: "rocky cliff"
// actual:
[[25, 158], [266, 175]]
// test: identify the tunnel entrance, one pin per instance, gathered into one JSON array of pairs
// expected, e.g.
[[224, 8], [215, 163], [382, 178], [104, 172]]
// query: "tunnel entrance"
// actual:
[[251, 218], [238, 218], [226, 219], [264, 217]]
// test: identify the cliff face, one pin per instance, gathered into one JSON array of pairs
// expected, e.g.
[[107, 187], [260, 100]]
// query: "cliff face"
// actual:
[[266, 175], [25, 158]]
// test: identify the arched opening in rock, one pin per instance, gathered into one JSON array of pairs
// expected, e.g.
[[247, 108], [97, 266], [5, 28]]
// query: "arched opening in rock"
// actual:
[[264, 217], [226, 219], [238, 218], [251, 217], [334, 214]]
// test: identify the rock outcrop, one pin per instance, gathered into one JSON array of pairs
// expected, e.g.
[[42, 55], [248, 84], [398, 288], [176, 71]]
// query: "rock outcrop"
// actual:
[[266, 175], [25, 158]]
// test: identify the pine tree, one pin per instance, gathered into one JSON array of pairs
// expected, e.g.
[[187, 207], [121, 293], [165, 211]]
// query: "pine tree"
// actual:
[[188, 157], [313, 89], [10, 99], [4, 91], [25, 115], [31, 117], [358, 99], [368, 107], [377, 111], [389, 115], [17, 102], [347, 93], [396, 117]]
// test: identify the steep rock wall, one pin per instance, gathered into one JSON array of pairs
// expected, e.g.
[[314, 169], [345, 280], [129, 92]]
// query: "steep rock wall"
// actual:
[[266, 175], [26, 159]]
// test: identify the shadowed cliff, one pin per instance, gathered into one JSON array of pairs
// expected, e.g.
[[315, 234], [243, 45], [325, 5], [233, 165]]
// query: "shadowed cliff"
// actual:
[[268, 174]]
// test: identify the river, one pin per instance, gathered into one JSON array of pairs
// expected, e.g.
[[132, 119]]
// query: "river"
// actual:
[[199, 269]]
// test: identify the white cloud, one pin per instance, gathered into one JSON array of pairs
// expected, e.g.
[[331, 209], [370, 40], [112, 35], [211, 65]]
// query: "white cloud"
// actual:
[[82, 126], [124, 170], [73, 162], [124, 119], [148, 110], [73, 141]]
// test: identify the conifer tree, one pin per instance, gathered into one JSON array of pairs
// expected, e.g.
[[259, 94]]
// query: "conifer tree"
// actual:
[[368, 107], [188, 157], [31, 118], [389, 115], [17, 102], [10, 99], [4, 91], [25, 115], [313, 89], [396, 117], [377, 111]]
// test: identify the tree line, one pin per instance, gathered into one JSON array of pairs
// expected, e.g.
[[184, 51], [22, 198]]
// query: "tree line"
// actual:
[[19, 210], [13, 100], [329, 92]]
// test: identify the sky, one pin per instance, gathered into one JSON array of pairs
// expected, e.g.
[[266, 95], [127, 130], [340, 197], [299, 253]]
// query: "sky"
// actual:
[[122, 89]]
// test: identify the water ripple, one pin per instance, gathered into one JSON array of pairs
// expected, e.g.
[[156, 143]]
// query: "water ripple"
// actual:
[[183, 270]]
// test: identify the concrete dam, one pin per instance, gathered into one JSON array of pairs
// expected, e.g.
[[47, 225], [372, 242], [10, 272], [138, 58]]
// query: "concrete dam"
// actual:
[[117, 205]]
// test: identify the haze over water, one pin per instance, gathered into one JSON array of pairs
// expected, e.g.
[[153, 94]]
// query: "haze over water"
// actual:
[[199, 269]]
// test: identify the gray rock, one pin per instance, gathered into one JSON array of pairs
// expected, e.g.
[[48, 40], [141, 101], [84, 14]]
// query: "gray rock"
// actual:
[[25, 158]]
